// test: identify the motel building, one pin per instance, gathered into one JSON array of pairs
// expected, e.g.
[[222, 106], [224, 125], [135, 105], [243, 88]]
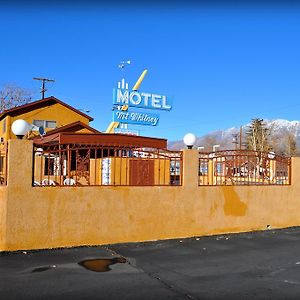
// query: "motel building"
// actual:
[[68, 151]]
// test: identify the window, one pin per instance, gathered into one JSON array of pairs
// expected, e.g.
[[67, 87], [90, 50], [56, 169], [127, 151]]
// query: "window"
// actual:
[[38, 123], [44, 123], [219, 169], [203, 170], [50, 124]]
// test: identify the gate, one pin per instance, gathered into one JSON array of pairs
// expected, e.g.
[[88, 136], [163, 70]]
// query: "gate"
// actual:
[[141, 172]]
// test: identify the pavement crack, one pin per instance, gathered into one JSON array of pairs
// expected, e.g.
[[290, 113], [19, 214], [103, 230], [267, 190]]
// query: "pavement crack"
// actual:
[[169, 286]]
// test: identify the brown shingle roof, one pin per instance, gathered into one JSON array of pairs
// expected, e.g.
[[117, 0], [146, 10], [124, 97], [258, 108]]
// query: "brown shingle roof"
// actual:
[[39, 104], [103, 139], [73, 127]]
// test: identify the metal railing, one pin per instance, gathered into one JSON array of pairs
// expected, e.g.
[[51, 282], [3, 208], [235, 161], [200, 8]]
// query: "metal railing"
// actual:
[[243, 167], [86, 165]]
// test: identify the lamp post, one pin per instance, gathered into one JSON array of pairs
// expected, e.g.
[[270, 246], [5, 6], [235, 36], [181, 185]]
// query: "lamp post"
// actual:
[[189, 140], [20, 128]]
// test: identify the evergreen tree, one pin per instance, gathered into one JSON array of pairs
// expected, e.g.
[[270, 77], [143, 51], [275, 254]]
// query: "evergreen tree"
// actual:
[[257, 136]]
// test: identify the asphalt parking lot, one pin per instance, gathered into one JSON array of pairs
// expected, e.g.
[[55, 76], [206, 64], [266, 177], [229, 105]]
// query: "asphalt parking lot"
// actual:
[[260, 265]]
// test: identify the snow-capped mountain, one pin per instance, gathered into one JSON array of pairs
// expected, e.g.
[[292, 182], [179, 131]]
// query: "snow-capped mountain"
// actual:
[[279, 130], [280, 125]]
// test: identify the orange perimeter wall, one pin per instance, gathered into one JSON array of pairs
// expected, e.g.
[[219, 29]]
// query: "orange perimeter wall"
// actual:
[[50, 217]]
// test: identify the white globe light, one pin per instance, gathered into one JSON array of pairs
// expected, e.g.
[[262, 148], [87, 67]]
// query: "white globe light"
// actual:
[[271, 155], [189, 140], [20, 128]]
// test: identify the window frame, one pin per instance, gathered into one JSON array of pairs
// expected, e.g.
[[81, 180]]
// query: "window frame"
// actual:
[[45, 123]]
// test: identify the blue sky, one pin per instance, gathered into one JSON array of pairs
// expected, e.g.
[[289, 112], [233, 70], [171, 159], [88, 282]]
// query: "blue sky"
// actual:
[[221, 64]]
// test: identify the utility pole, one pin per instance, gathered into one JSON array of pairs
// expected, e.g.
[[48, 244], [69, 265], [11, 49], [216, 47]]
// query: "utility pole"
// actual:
[[235, 140], [44, 80]]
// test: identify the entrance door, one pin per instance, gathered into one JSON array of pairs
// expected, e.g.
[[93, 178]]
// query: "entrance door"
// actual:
[[141, 172]]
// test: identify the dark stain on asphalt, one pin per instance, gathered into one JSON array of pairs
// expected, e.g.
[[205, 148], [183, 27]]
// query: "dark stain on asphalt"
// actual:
[[101, 264]]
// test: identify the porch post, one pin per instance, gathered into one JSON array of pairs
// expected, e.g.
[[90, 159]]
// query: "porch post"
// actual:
[[190, 168], [20, 163]]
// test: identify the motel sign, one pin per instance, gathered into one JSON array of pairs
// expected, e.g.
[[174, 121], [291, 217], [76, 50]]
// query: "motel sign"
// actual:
[[141, 99], [124, 100]]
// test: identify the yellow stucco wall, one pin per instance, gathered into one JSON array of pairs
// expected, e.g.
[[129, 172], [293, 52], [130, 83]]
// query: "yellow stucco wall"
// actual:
[[56, 112], [3, 211], [47, 217]]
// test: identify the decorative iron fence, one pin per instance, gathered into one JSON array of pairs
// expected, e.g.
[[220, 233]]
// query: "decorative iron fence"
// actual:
[[3, 163], [243, 167], [86, 165]]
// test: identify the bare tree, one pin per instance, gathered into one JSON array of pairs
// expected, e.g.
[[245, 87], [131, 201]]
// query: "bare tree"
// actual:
[[284, 142], [12, 95], [290, 144]]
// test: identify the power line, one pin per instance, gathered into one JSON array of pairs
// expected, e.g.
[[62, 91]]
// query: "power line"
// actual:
[[44, 80]]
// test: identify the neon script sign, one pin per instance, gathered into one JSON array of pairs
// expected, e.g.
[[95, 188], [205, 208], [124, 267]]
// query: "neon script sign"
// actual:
[[141, 100], [137, 118]]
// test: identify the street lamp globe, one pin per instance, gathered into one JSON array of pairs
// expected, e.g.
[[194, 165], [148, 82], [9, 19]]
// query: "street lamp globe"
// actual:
[[271, 155], [20, 128], [189, 140]]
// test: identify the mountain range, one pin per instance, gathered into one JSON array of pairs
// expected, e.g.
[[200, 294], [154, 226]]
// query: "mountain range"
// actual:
[[279, 130]]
